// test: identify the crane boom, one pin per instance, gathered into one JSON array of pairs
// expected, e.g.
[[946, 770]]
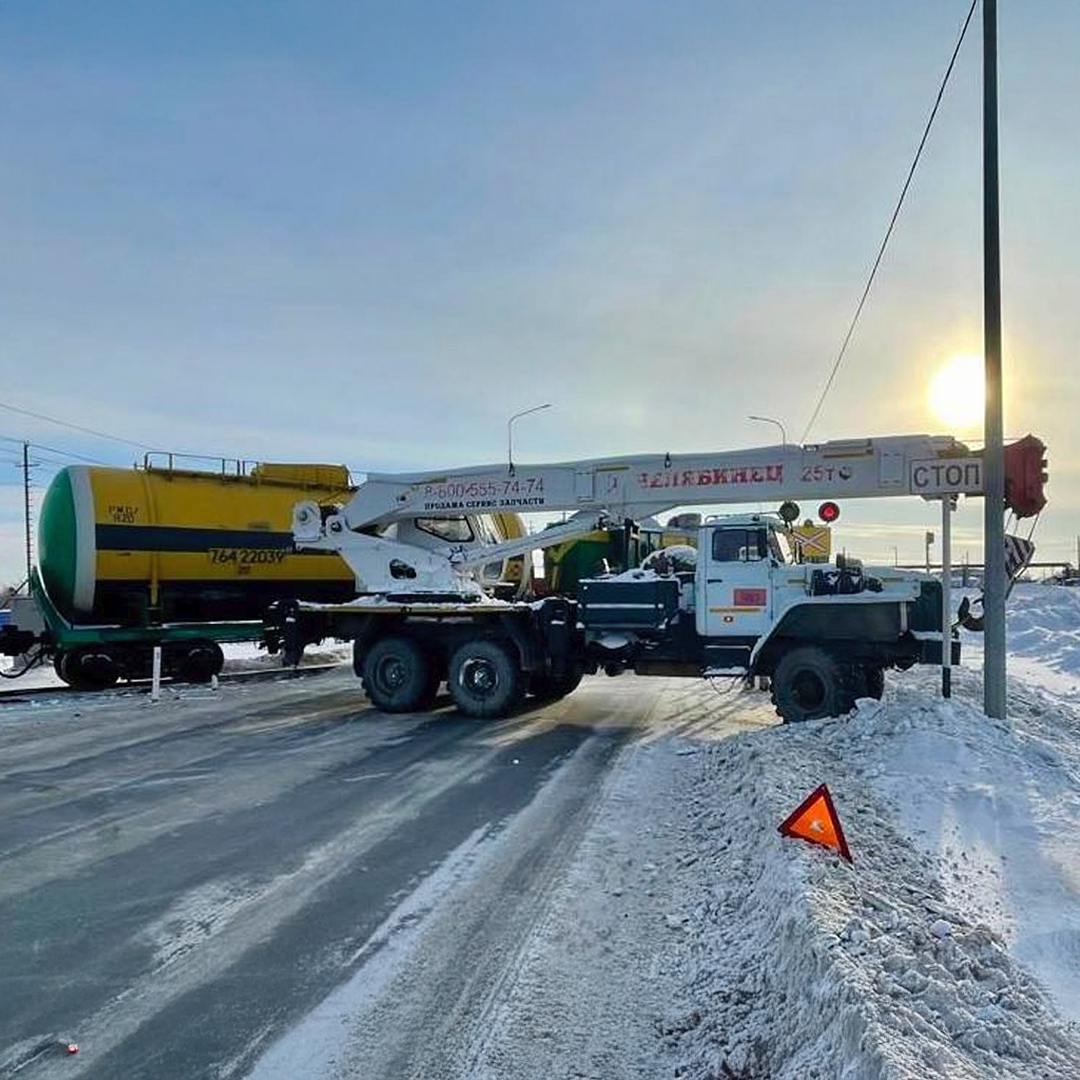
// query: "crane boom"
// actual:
[[639, 485], [618, 488]]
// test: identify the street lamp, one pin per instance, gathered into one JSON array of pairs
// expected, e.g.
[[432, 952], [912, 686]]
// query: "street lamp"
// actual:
[[770, 420], [510, 432]]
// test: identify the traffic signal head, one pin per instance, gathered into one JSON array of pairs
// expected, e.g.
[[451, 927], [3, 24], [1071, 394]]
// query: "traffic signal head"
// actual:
[[1025, 476], [789, 511], [828, 512]]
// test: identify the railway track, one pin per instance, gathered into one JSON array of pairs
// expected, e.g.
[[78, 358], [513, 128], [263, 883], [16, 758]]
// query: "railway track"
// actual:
[[15, 693]]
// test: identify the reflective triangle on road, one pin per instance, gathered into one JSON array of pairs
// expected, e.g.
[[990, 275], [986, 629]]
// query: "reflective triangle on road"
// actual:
[[815, 819]]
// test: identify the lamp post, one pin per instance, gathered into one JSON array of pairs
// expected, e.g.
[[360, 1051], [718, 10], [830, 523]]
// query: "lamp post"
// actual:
[[510, 432], [770, 420]]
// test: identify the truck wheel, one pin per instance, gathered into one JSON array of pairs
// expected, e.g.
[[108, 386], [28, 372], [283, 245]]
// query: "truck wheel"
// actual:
[[88, 669], [545, 687], [485, 679], [399, 676], [808, 684]]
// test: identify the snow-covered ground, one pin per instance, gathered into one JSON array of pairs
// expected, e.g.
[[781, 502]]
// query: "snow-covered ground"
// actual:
[[952, 947], [670, 930]]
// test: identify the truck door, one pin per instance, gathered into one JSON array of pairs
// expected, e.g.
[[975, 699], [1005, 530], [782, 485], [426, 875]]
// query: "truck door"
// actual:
[[737, 583]]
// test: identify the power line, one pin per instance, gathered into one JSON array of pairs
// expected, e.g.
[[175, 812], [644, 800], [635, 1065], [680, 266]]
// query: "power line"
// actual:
[[892, 223], [106, 435], [55, 450], [74, 427]]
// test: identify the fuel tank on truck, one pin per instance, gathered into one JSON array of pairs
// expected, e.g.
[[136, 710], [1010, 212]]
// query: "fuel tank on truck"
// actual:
[[153, 545]]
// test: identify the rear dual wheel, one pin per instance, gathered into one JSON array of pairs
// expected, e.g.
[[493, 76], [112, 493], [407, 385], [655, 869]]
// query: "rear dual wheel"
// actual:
[[485, 678], [399, 675]]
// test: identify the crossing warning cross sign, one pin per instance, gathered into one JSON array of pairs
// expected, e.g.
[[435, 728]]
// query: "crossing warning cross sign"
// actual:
[[814, 541], [815, 819]]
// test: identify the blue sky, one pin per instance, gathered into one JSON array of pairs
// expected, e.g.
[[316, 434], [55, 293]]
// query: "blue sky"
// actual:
[[368, 233]]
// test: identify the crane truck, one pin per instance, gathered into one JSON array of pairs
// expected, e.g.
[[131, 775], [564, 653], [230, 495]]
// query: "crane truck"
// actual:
[[822, 634]]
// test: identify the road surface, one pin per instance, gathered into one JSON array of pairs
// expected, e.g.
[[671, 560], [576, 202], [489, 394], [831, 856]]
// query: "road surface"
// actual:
[[273, 879]]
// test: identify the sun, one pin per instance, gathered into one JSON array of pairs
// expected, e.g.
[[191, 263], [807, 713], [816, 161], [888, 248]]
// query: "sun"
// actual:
[[958, 393]]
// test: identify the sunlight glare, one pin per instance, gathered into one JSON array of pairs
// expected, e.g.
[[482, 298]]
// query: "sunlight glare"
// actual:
[[957, 392]]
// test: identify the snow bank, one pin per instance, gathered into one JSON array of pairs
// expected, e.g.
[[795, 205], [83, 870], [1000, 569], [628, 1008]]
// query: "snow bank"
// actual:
[[806, 967], [1043, 623]]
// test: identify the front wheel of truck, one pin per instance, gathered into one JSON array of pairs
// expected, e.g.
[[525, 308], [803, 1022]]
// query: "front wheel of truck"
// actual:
[[809, 684]]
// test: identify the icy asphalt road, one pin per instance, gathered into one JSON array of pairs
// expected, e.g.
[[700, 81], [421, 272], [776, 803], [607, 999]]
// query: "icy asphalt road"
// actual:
[[277, 878]]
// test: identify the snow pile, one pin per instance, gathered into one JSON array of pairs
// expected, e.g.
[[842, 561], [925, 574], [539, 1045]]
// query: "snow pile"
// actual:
[[806, 967], [1043, 623]]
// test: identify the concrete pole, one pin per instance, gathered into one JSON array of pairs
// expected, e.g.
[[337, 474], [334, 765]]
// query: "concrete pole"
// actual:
[[993, 453], [26, 513], [946, 596]]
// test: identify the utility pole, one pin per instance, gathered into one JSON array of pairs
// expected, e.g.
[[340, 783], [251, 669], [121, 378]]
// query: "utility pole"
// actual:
[[993, 453], [26, 508]]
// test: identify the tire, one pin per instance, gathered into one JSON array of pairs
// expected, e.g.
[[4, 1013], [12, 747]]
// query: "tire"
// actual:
[[198, 662], [88, 669], [546, 687], [809, 684], [399, 676], [485, 679]]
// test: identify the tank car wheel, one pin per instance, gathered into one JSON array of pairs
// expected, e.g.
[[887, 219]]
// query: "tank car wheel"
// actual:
[[201, 661], [89, 669]]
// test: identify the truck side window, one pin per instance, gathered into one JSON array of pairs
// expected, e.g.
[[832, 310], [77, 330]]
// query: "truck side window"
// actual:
[[739, 545]]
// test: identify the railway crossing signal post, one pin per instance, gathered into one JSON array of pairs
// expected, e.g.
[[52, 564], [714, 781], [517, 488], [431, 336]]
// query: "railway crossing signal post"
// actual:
[[993, 453], [948, 504]]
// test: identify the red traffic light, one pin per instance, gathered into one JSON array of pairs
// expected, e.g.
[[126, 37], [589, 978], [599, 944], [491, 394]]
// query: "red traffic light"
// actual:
[[828, 512], [1025, 475]]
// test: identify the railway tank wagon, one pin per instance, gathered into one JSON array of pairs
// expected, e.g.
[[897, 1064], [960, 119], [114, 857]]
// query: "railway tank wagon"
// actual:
[[130, 558]]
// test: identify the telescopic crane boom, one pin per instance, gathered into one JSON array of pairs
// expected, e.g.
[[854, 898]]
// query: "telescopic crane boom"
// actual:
[[609, 489]]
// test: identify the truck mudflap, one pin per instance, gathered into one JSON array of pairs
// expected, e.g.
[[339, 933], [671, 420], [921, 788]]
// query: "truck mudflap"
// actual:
[[930, 650]]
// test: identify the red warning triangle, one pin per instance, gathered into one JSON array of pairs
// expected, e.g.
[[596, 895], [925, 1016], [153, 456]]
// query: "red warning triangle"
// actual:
[[815, 819]]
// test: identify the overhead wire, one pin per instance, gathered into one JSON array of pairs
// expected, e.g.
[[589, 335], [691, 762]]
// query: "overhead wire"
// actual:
[[68, 454], [74, 427], [19, 410], [892, 223]]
